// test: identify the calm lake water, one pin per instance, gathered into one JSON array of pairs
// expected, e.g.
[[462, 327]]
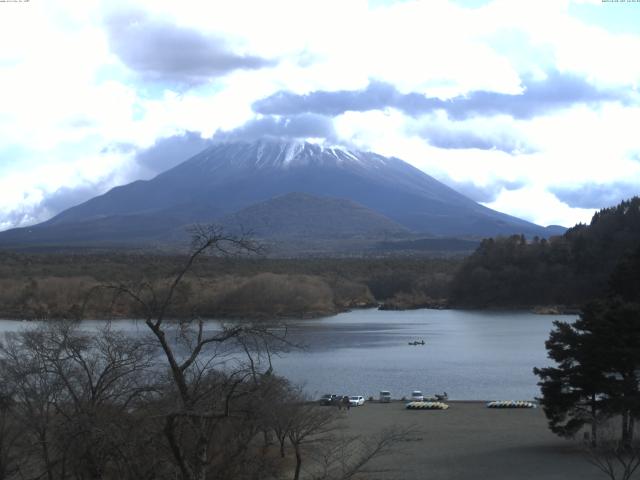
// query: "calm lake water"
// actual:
[[471, 355]]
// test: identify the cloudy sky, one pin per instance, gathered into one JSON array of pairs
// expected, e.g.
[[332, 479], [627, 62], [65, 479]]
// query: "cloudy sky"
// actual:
[[531, 107]]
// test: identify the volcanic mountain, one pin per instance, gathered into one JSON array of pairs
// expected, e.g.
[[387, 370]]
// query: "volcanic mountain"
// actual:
[[278, 189]]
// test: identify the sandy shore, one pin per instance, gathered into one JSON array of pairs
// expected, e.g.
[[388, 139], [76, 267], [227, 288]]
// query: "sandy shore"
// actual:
[[470, 441]]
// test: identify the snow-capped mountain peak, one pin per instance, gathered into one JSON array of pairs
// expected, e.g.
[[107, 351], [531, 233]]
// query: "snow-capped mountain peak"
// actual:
[[272, 153], [230, 176]]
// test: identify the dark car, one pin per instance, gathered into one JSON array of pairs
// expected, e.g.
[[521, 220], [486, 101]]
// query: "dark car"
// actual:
[[329, 399]]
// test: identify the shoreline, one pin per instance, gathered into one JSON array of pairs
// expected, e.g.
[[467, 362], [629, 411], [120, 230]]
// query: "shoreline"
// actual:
[[314, 315]]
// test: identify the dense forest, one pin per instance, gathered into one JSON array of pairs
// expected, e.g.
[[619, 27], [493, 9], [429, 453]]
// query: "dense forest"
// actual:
[[54, 286], [567, 270]]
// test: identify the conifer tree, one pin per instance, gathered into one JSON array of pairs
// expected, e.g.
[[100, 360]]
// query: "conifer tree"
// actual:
[[597, 375]]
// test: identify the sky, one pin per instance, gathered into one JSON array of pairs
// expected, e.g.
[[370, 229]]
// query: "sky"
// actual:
[[530, 107]]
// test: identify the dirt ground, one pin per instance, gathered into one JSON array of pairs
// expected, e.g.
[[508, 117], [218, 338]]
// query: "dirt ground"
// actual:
[[470, 441]]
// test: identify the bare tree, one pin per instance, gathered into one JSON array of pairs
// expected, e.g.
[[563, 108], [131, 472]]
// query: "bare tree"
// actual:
[[10, 434], [203, 386], [347, 456], [281, 417], [34, 394], [308, 424], [618, 459], [333, 454], [72, 393]]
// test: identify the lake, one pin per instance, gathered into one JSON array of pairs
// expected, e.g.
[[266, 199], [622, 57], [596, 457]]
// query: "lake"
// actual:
[[471, 355]]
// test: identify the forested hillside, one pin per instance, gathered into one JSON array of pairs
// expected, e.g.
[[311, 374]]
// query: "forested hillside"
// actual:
[[565, 270]]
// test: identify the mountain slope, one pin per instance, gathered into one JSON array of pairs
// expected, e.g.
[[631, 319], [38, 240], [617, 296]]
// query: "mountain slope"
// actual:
[[229, 177]]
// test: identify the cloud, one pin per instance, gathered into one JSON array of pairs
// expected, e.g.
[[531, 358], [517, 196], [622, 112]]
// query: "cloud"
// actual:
[[159, 50], [67, 197], [484, 193], [536, 204], [557, 91], [593, 195], [448, 138], [43, 202], [307, 125], [168, 152], [22, 216], [42, 205], [376, 96]]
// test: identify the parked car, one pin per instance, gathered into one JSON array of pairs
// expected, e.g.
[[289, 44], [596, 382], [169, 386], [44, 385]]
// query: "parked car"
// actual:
[[329, 399], [436, 398], [356, 401], [385, 396], [416, 396]]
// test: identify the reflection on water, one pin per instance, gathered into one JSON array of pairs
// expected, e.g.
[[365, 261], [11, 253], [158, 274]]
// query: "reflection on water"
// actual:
[[471, 355]]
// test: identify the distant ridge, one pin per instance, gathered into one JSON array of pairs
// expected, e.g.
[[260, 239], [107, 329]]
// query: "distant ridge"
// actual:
[[268, 183]]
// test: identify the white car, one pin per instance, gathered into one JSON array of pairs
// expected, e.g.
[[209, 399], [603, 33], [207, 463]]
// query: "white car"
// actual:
[[416, 396], [356, 401], [385, 396]]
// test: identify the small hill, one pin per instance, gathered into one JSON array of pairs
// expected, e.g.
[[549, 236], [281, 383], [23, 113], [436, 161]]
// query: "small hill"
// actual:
[[300, 215]]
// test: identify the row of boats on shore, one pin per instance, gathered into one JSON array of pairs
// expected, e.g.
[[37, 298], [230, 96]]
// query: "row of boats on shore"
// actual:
[[493, 404]]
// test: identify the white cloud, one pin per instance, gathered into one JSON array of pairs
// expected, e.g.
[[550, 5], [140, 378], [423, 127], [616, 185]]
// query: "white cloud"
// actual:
[[539, 206], [602, 55]]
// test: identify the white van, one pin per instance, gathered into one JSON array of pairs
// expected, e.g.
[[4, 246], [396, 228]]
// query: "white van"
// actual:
[[385, 396], [416, 396]]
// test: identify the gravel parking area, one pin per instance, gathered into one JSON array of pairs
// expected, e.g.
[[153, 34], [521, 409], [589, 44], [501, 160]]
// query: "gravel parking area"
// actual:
[[470, 441]]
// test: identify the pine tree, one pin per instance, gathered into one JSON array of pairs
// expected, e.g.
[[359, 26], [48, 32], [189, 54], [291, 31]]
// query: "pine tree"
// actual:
[[598, 369], [572, 392]]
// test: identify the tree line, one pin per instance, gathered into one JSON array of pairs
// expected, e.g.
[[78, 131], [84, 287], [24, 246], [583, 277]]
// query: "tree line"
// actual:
[[565, 270], [53, 286]]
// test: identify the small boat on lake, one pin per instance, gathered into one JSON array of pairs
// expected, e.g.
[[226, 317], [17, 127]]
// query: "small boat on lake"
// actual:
[[417, 342]]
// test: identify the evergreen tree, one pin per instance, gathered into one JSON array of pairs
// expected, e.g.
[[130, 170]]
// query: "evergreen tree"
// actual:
[[625, 279], [598, 369], [615, 326], [572, 392]]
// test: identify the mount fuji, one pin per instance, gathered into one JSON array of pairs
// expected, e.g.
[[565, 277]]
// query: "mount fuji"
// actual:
[[278, 189]]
